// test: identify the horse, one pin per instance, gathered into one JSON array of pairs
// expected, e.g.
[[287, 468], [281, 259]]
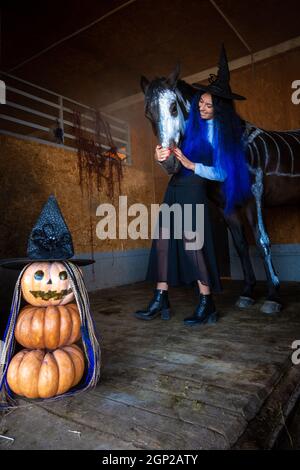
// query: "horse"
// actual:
[[273, 162]]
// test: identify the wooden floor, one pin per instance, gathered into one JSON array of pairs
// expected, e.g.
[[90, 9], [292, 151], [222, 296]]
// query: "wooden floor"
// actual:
[[168, 386]]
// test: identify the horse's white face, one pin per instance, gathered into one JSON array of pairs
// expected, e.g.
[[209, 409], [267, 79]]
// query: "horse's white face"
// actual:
[[169, 123]]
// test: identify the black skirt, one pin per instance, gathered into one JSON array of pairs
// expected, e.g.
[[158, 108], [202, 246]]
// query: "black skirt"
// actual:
[[170, 260]]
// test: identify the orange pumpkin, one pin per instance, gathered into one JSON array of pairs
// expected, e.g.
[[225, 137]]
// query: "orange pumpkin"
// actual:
[[42, 374], [48, 327], [46, 283]]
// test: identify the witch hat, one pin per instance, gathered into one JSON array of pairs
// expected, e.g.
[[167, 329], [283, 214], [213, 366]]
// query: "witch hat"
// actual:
[[219, 84], [49, 240]]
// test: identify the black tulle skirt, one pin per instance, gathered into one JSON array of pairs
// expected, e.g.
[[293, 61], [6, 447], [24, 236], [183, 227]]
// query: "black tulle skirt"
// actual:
[[170, 261]]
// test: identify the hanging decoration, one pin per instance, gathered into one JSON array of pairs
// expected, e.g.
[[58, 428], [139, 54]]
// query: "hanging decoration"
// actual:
[[96, 163], [93, 159]]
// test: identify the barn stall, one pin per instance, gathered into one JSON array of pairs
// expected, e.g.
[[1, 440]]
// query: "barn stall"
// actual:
[[77, 73]]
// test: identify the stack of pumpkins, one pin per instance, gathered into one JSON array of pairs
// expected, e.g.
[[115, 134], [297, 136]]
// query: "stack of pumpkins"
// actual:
[[48, 327]]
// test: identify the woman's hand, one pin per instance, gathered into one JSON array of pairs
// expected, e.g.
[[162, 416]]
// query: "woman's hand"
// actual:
[[182, 158], [161, 154]]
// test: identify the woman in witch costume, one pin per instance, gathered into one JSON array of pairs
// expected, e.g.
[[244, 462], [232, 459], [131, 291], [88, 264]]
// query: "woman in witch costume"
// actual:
[[49, 326], [212, 149]]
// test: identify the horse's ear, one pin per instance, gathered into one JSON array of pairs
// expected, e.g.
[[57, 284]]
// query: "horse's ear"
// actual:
[[173, 77], [144, 82]]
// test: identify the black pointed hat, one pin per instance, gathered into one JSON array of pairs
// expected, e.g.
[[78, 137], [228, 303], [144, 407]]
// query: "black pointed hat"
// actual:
[[219, 84], [49, 240]]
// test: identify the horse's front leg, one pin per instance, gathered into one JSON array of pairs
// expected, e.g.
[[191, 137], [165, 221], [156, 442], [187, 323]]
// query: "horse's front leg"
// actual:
[[237, 231], [254, 214]]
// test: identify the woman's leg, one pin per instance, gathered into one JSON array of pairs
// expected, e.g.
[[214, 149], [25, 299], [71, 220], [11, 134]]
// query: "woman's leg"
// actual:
[[162, 247], [203, 288], [198, 264], [205, 311], [162, 286], [159, 304]]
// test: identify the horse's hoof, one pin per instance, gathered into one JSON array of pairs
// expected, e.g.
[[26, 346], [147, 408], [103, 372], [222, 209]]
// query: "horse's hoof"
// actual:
[[270, 307], [244, 302]]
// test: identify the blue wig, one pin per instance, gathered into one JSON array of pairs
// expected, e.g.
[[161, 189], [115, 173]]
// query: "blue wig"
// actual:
[[228, 148]]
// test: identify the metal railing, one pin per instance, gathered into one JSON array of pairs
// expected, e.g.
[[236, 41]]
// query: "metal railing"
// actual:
[[34, 113]]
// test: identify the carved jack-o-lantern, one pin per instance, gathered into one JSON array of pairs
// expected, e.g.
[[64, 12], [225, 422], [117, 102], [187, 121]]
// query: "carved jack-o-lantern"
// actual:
[[46, 283]]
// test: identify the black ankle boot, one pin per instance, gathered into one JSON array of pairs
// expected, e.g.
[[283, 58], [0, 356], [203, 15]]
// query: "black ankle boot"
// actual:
[[205, 312], [159, 305]]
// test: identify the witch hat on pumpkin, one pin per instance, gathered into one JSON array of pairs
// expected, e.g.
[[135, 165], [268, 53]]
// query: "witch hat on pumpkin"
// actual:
[[49, 240], [219, 84]]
